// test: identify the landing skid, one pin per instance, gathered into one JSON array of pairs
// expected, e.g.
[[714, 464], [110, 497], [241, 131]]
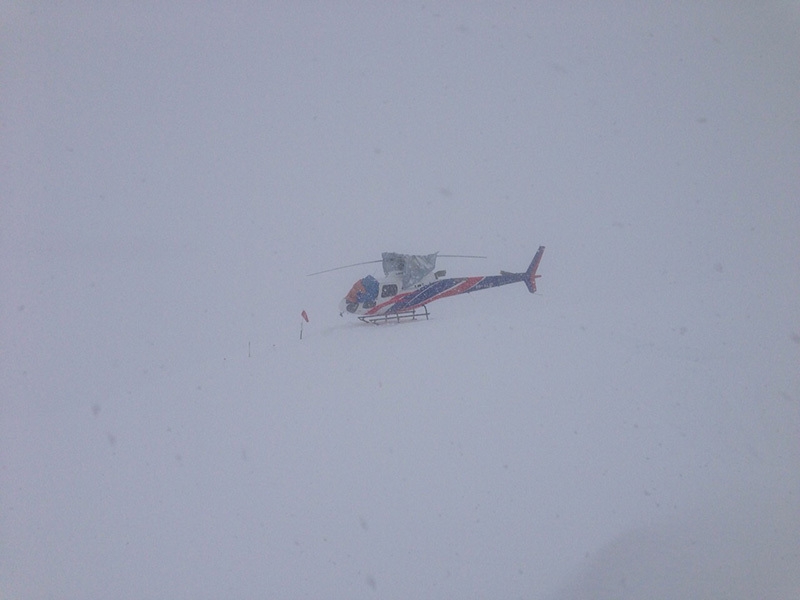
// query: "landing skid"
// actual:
[[408, 315]]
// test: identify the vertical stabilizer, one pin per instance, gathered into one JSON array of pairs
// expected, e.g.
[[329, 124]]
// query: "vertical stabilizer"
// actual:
[[530, 274]]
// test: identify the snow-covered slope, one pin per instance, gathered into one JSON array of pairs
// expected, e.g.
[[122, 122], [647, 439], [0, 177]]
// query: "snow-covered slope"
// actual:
[[630, 431]]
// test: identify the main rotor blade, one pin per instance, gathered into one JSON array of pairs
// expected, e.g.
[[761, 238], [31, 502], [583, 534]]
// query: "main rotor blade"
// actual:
[[458, 256], [372, 262], [369, 262]]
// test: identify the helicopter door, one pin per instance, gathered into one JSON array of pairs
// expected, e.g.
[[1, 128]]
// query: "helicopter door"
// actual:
[[388, 290]]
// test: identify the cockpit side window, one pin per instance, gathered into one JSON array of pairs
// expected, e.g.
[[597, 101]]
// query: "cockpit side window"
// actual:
[[389, 290]]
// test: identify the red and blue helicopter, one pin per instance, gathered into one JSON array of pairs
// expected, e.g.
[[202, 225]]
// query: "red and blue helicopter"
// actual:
[[411, 283]]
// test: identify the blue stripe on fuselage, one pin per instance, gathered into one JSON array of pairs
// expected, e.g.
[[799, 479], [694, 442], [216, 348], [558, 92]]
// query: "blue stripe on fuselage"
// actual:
[[491, 281], [429, 292], [426, 293]]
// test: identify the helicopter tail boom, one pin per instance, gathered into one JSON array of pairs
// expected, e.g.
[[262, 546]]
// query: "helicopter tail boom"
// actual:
[[530, 274]]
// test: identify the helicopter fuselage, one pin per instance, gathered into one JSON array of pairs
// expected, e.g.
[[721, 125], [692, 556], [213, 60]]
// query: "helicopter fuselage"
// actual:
[[372, 298]]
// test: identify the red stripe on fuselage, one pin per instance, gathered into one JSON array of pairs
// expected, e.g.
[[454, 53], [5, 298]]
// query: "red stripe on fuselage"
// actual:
[[379, 309], [460, 288]]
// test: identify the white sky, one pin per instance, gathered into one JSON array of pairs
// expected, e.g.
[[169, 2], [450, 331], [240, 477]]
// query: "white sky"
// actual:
[[169, 174]]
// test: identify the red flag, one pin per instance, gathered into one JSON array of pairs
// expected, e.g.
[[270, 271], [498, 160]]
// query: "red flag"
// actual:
[[304, 315]]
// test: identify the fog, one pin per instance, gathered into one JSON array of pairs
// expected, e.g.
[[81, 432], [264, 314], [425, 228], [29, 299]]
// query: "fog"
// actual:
[[170, 174]]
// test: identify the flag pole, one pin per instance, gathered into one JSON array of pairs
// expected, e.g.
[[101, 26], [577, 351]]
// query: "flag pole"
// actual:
[[303, 314]]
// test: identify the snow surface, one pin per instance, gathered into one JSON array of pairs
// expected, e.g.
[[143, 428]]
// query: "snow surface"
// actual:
[[170, 173]]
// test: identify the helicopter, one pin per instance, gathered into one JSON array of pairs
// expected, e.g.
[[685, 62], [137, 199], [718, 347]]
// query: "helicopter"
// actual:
[[411, 283]]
